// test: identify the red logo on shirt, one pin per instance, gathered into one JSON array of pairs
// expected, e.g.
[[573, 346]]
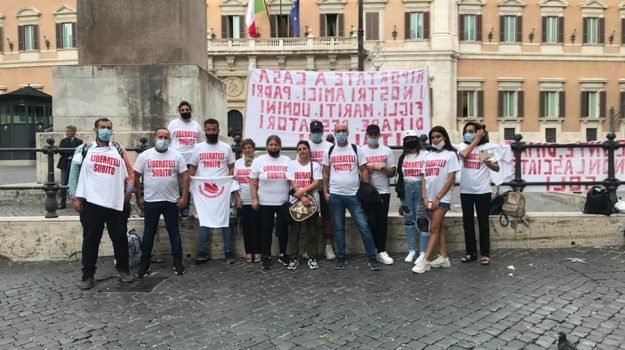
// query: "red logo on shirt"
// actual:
[[211, 190]]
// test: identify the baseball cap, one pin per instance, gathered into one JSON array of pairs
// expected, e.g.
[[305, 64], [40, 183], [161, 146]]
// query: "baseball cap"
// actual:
[[316, 125], [409, 133], [372, 128]]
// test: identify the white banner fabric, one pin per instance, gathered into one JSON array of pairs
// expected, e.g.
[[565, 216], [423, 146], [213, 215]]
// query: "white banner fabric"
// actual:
[[211, 196]]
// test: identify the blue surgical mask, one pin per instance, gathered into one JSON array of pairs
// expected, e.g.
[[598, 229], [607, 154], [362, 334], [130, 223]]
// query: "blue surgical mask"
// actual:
[[341, 137], [104, 134], [373, 142], [161, 145], [469, 137], [316, 137]]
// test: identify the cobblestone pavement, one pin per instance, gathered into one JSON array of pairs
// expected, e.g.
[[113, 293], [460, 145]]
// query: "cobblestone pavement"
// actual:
[[521, 301]]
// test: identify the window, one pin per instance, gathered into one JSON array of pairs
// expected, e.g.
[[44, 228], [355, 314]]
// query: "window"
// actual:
[[510, 29], [280, 27], [550, 135], [331, 25], [508, 134], [594, 28], [470, 27], [417, 25], [232, 27], [28, 37], [553, 28], [510, 104], [372, 26], [591, 134], [593, 104], [470, 104], [65, 35], [235, 123], [552, 104]]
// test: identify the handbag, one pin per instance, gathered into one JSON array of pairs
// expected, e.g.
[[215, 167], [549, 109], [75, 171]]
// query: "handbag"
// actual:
[[300, 212], [598, 201], [367, 193]]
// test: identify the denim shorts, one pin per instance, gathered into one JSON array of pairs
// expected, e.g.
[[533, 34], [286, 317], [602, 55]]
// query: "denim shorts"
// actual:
[[445, 206]]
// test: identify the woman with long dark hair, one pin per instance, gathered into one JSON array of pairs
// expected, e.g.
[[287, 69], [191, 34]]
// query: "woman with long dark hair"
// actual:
[[477, 162], [439, 173]]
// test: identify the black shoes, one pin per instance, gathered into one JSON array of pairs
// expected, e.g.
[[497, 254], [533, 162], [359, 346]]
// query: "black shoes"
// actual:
[[144, 271], [266, 262], [230, 258], [86, 283], [178, 268]]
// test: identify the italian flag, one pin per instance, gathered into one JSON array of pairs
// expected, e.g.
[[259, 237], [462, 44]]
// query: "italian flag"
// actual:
[[254, 7]]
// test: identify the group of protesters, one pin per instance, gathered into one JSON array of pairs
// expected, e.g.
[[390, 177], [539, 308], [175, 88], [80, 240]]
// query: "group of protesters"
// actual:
[[325, 175]]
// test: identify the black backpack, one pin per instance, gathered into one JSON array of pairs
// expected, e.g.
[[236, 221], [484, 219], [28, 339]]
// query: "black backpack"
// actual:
[[496, 203], [598, 201], [367, 193]]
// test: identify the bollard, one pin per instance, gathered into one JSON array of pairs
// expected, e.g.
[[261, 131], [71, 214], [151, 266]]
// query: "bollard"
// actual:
[[518, 184], [51, 187]]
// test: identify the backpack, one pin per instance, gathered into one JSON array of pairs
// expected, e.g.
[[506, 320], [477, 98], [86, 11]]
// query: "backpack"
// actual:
[[134, 248], [598, 201], [367, 193], [513, 206], [496, 203]]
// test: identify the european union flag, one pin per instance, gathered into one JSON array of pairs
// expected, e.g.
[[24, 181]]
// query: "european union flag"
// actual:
[[294, 17]]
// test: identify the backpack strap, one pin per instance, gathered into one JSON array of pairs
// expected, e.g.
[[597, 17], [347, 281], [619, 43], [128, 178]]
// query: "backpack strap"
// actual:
[[354, 147]]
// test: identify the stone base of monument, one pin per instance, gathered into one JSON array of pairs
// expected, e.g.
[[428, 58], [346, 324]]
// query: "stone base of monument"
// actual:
[[38, 239]]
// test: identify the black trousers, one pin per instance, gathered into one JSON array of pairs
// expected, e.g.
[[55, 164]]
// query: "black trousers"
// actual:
[[250, 225], [267, 214], [377, 217], [481, 202], [93, 218]]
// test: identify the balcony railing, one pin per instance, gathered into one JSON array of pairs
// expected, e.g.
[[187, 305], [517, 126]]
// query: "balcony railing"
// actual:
[[285, 44]]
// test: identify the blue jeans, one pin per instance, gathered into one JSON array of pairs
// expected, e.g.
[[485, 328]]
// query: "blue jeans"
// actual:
[[202, 245], [152, 213], [338, 204], [413, 208]]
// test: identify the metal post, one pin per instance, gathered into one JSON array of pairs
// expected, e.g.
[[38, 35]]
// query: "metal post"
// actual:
[[611, 182], [361, 37], [518, 184], [51, 187], [612, 118]]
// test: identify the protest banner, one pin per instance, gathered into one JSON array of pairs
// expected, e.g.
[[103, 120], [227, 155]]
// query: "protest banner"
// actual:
[[211, 196], [285, 102]]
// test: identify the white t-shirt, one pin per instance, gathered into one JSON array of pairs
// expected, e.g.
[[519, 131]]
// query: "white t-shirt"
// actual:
[[102, 178], [301, 175], [318, 149], [184, 136], [474, 174], [436, 167], [242, 177], [160, 174], [412, 167], [383, 155], [273, 183], [212, 160], [344, 169]]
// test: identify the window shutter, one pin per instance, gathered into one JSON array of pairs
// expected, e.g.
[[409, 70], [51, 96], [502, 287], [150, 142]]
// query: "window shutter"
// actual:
[[480, 103], [601, 30], [541, 104], [501, 28], [1, 39], [583, 103], [602, 104], [368, 26], [562, 104], [242, 31], [376, 27], [560, 29], [426, 25], [20, 38], [622, 31], [478, 28], [520, 107], [273, 24], [224, 27], [340, 23], [519, 29], [622, 104], [500, 95], [544, 29], [459, 97], [36, 34], [461, 27], [585, 30], [74, 34], [407, 26], [322, 25], [59, 36]]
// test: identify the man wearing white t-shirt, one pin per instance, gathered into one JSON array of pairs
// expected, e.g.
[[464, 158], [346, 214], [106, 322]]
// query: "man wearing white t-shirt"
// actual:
[[342, 167], [381, 166], [318, 147], [212, 158], [185, 133], [101, 183], [160, 168]]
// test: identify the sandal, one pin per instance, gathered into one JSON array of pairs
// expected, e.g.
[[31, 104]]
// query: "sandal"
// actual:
[[258, 258], [485, 260], [468, 258], [248, 258]]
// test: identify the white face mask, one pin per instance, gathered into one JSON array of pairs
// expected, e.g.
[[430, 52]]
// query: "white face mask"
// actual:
[[439, 145]]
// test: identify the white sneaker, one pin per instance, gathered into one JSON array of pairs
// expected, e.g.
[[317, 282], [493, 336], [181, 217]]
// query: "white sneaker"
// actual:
[[410, 256], [330, 252], [440, 262], [420, 258], [421, 267], [385, 259]]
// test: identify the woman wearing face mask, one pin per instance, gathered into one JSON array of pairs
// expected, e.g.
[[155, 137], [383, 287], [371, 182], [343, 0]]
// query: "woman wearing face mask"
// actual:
[[243, 199], [476, 155], [408, 188], [439, 173], [270, 190]]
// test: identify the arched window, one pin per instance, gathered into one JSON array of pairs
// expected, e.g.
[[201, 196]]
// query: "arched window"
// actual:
[[235, 123]]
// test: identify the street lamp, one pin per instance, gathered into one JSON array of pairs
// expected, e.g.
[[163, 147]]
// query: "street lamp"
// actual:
[[377, 57], [361, 37]]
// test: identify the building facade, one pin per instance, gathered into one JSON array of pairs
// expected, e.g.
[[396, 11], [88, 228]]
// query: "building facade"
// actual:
[[548, 69]]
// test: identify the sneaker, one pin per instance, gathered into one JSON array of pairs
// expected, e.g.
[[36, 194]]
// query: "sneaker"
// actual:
[[410, 257], [384, 258], [421, 267], [373, 265], [293, 264], [284, 260], [230, 258], [266, 262], [440, 262], [126, 277], [340, 264], [144, 271], [312, 264], [330, 252], [420, 258], [201, 258], [86, 283], [179, 268]]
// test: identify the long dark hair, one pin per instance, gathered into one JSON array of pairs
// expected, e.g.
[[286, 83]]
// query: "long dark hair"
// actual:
[[477, 127], [439, 129]]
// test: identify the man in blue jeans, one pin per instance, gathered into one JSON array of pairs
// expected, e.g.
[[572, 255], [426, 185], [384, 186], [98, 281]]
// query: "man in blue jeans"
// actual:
[[161, 167], [344, 166]]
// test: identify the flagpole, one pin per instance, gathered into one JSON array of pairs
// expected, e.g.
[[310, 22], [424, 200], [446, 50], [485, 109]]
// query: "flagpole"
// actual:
[[361, 38]]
